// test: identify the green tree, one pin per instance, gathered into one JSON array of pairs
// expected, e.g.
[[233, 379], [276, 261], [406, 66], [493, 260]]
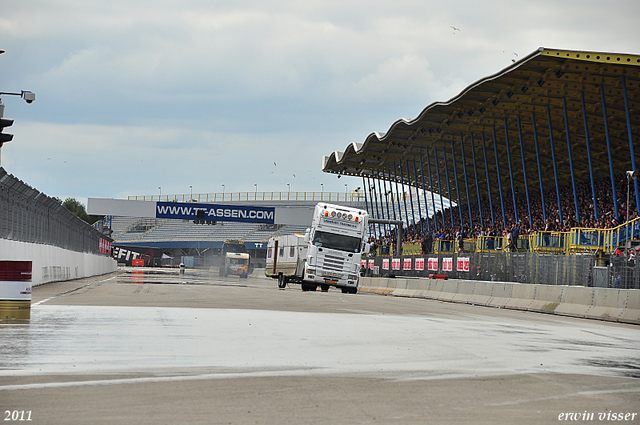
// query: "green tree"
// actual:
[[77, 208]]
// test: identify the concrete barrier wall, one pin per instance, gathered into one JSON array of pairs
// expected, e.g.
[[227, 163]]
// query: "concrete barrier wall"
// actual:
[[621, 305], [50, 263]]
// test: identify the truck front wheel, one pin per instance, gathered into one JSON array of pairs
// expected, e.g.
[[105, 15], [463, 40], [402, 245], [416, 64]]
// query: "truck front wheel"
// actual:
[[309, 287], [282, 282]]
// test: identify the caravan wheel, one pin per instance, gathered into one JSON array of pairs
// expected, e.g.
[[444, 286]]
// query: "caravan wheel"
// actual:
[[282, 282]]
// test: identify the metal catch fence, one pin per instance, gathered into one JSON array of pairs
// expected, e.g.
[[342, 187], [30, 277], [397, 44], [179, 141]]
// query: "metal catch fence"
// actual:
[[27, 215]]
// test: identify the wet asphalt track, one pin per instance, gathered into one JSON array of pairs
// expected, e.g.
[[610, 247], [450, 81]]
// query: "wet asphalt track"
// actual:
[[160, 347]]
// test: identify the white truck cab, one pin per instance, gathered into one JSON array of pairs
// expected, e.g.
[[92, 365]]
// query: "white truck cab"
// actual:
[[328, 254]]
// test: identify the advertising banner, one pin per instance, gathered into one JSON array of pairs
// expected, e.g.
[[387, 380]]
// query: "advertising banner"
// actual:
[[447, 264], [433, 264], [406, 264], [395, 264], [463, 264], [215, 212], [385, 264], [419, 264]]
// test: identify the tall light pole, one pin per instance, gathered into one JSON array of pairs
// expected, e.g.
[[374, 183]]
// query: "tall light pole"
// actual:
[[191, 193], [322, 191], [160, 197], [223, 192]]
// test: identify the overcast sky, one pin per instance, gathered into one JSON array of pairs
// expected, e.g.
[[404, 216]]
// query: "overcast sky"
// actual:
[[133, 95]]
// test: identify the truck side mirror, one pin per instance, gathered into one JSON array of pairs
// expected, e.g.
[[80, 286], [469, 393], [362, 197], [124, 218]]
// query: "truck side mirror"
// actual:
[[307, 235], [367, 247]]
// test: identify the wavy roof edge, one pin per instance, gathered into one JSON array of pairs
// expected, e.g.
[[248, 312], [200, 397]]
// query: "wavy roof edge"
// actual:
[[337, 157]]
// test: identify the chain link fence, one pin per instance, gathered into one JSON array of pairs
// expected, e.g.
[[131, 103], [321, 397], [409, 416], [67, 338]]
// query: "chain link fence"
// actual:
[[522, 267], [27, 215]]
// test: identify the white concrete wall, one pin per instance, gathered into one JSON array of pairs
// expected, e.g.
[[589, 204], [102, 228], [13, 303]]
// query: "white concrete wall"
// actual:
[[50, 263], [622, 305]]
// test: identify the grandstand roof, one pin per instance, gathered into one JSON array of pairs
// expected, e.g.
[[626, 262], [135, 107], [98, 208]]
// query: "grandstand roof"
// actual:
[[529, 91]]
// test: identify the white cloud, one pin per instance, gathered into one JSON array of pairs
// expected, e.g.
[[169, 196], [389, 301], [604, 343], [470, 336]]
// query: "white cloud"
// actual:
[[169, 93]]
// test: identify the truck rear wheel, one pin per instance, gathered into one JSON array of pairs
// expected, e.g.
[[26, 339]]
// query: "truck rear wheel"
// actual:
[[282, 282]]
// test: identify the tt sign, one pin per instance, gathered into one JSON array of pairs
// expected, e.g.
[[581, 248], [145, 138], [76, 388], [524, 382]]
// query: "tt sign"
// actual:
[[215, 212]]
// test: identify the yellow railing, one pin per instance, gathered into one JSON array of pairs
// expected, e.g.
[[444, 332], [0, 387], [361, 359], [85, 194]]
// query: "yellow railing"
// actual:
[[550, 242], [491, 243], [441, 246], [414, 248], [352, 196], [577, 240], [585, 240], [612, 237]]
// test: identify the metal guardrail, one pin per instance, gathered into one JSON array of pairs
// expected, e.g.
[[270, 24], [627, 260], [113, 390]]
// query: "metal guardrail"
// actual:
[[578, 240], [550, 242], [352, 196], [27, 215], [612, 238]]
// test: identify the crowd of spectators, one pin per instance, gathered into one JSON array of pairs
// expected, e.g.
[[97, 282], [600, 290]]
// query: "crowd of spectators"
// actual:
[[563, 219]]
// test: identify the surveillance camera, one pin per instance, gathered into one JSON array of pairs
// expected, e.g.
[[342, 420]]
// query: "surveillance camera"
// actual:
[[28, 96]]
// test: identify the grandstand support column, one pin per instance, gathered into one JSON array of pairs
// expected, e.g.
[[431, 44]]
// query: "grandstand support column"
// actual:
[[364, 185], [433, 200], [381, 213], [404, 194], [395, 178], [424, 193], [366, 196], [446, 173], [374, 206], [466, 181], [495, 150], [374, 190], [606, 134], [524, 169], [444, 223], [475, 171], [486, 169], [386, 199], [513, 190], [586, 138], [393, 209], [633, 158], [415, 179], [553, 159], [573, 180], [413, 214], [535, 139], [455, 173]]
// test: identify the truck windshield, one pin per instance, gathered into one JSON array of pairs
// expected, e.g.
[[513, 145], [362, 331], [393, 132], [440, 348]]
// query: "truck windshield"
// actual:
[[238, 248], [339, 242]]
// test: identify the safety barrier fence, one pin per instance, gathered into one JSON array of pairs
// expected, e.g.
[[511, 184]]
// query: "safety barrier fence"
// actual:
[[578, 240], [27, 215], [582, 269]]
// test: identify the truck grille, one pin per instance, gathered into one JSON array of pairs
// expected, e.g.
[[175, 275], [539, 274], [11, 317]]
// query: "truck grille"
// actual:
[[330, 262]]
